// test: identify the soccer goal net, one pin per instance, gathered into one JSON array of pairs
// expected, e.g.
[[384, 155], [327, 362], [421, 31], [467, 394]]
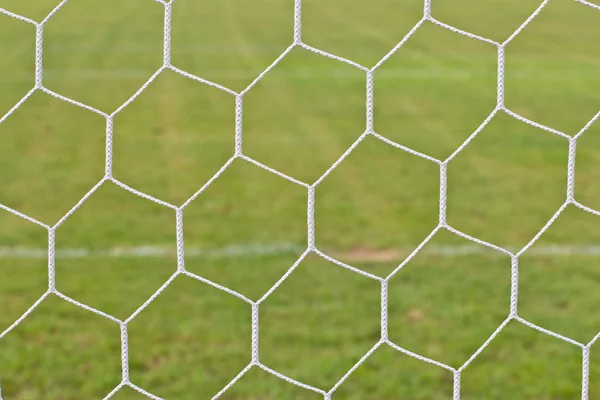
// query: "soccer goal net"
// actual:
[[370, 75]]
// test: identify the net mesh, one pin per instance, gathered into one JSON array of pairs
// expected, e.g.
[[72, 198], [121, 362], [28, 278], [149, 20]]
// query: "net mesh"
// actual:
[[238, 153]]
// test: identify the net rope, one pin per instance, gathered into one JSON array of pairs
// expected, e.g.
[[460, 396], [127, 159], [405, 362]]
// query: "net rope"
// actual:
[[311, 248]]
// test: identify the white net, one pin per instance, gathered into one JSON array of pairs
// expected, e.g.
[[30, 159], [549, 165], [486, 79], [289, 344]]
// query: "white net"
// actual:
[[370, 75]]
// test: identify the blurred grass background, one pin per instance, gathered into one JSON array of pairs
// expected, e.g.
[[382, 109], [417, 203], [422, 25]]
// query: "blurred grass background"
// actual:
[[377, 206]]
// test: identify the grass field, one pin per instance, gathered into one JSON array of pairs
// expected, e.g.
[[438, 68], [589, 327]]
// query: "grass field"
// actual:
[[371, 212]]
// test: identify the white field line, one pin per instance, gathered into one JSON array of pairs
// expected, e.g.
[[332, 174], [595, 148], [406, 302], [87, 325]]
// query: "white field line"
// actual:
[[204, 49], [278, 249], [336, 73]]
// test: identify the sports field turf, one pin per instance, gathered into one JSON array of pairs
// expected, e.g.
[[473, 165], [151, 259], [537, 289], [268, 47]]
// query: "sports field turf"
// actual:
[[250, 226]]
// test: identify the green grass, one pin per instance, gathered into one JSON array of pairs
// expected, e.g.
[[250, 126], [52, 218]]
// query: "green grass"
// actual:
[[370, 212]]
